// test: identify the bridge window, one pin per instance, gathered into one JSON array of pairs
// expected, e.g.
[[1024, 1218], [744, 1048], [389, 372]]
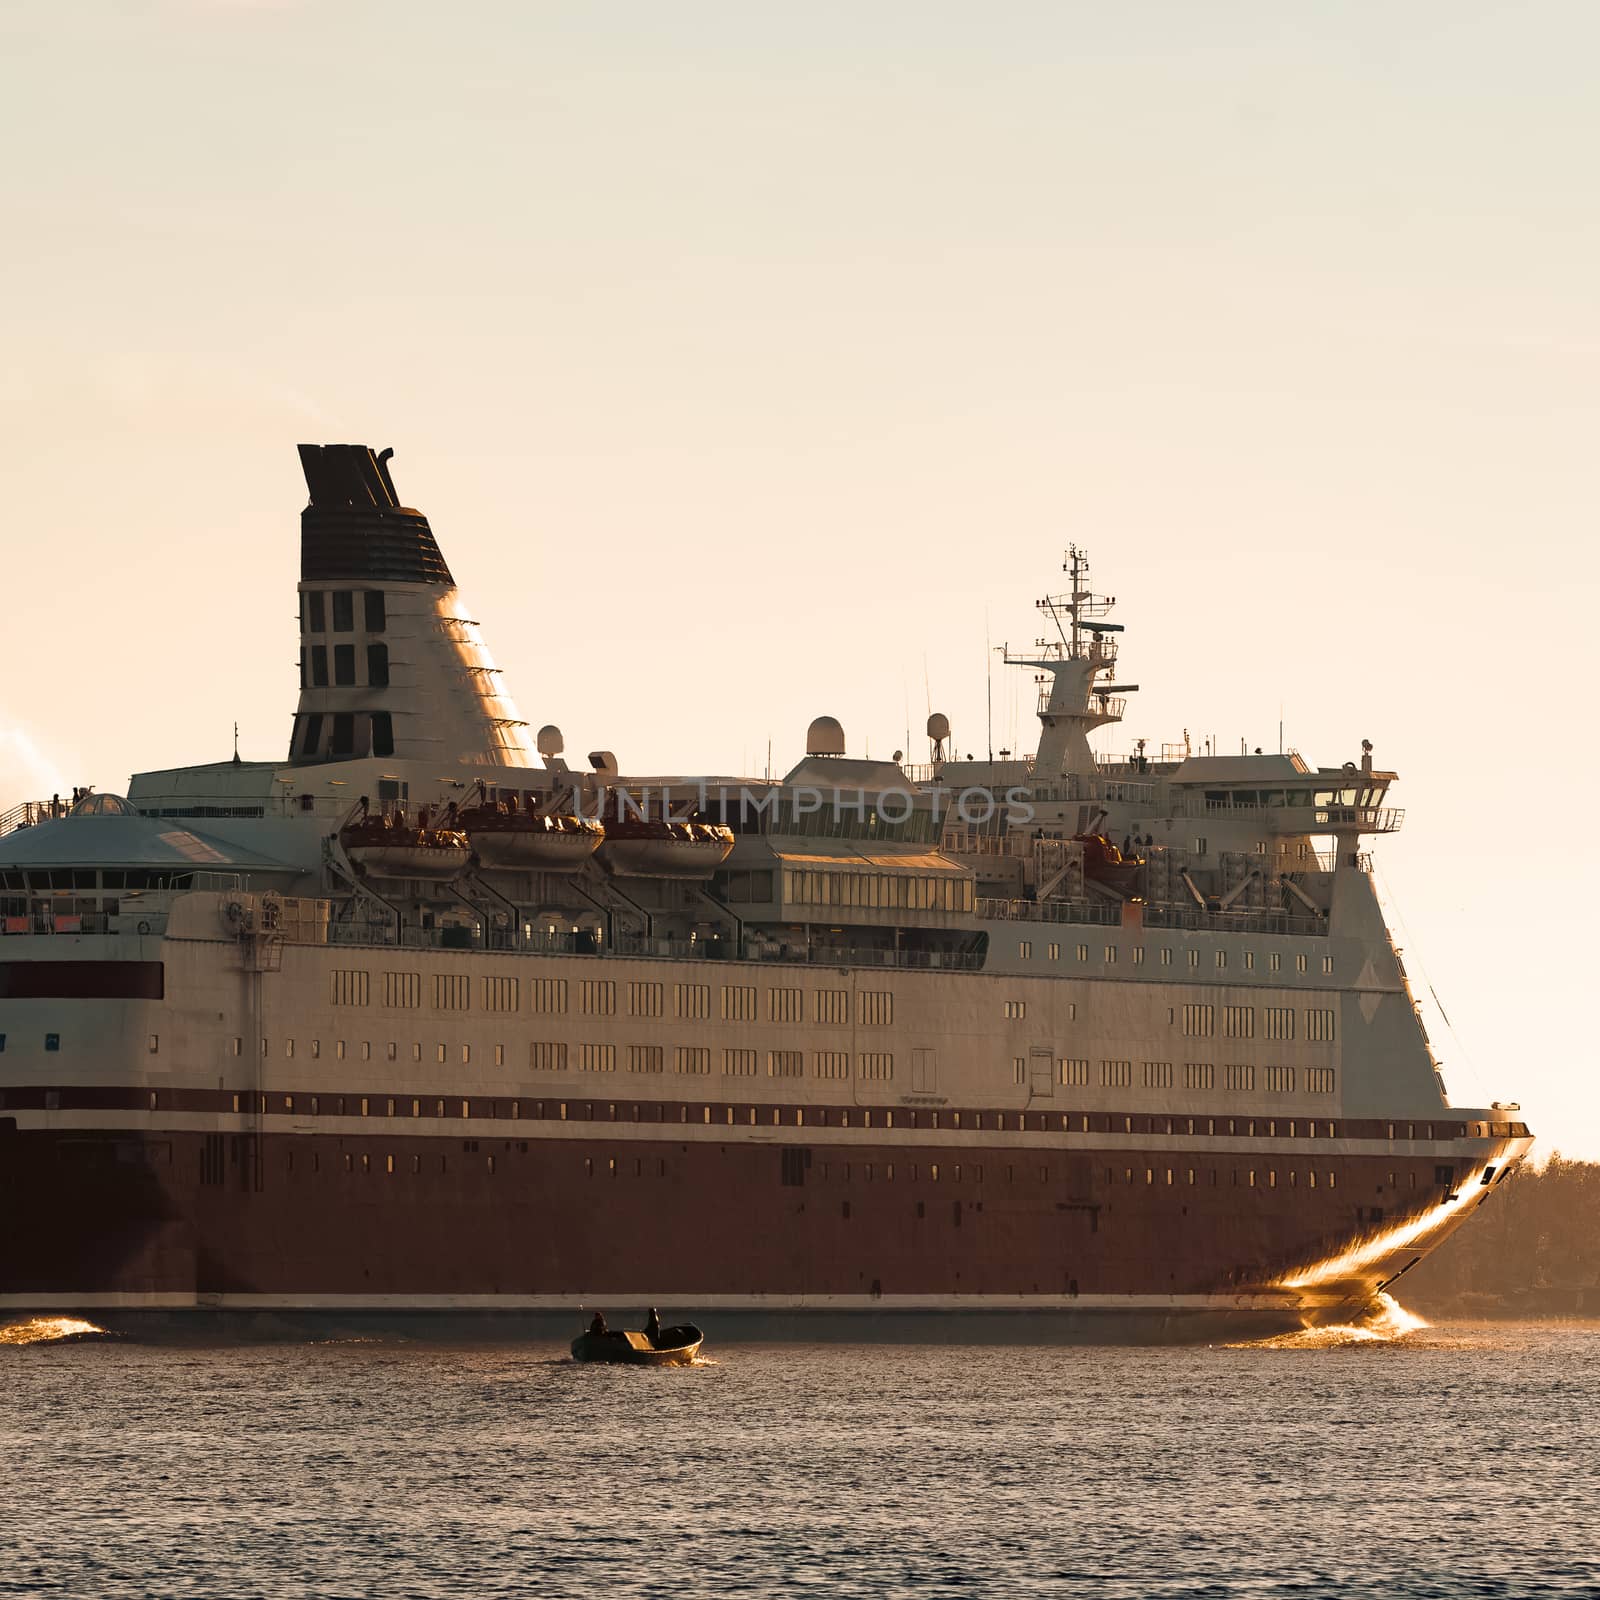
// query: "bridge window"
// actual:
[[344, 611], [344, 664], [376, 613], [377, 665]]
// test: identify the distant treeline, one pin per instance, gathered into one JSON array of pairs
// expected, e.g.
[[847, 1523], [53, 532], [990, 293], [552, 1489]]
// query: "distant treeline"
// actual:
[[1533, 1251]]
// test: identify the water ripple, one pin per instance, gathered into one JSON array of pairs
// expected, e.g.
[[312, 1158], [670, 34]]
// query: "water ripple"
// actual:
[[1441, 1462]]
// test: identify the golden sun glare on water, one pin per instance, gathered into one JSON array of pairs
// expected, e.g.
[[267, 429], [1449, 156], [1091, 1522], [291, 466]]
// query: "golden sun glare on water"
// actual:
[[1383, 1322], [47, 1330]]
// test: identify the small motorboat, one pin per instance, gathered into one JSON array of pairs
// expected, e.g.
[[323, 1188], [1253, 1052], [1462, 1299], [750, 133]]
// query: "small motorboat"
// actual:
[[674, 1347]]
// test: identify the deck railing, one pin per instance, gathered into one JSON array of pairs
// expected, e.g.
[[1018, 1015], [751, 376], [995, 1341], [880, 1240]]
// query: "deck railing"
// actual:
[[1189, 918], [635, 947], [32, 812], [1192, 918], [1080, 911]]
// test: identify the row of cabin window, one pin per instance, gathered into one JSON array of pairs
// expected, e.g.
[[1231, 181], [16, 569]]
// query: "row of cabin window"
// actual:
[[1239, 1078], [1213, 1127], [616, 1166], [314, 611], [865, 1117], [877, 890], [554, 1055], [1243, 1177], [1187, 1177], [869, 1171], [911, 1171], [883, 1117], [439, 1106], [314, 666], [52, 1042], [311, 1161], [343, 1050], [1164, 1176], [350, 733], [1112, 954], [1238, 1022], [403, 991]]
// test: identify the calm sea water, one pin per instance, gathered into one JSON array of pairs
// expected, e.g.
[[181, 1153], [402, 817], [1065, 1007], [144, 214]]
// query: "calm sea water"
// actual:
[[1448, 1461]]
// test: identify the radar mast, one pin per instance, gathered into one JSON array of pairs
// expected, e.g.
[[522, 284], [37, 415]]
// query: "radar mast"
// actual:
[[1069, 667]]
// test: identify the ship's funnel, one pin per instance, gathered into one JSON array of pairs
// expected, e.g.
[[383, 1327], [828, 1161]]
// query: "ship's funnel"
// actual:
[[391, 661], [355, 527]]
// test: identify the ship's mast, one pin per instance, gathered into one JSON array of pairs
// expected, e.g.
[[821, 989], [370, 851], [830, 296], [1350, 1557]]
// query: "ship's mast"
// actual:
[[1068, 669]]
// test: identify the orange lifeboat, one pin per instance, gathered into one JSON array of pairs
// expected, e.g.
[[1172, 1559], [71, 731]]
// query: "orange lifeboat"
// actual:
[[649, 847], [1105, 863], [505, 839], [387, 845]]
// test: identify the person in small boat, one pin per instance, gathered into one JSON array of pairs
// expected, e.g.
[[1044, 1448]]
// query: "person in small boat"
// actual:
[[652, 1327], [598, 1327]]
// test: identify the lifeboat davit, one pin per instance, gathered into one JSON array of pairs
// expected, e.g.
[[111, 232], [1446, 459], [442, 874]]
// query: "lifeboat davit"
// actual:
[[392, 847], [647, 847], [1105, 863], [507, 840]]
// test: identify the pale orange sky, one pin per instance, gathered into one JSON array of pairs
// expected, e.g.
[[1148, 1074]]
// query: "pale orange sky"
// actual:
[[756, 362]]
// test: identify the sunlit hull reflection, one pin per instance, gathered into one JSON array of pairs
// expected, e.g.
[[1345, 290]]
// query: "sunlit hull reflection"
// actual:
[[1348, 1287], [1383, 1321], [50, 1330]]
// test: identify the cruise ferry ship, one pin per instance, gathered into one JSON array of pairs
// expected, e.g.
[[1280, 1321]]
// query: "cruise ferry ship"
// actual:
[[429, 1017]]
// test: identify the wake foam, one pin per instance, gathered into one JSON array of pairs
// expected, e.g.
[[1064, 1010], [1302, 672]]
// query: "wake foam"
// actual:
[[50, 1330], [1385, 1321]]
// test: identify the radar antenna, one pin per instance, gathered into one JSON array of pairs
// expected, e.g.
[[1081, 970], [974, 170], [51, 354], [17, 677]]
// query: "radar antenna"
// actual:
[[1070, 667]]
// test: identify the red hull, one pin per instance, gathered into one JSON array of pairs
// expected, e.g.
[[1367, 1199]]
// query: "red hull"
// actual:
[[612, 1214]]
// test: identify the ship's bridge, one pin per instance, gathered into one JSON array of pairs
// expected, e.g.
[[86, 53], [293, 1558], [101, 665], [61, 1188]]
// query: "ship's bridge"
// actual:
[[1280, 795]]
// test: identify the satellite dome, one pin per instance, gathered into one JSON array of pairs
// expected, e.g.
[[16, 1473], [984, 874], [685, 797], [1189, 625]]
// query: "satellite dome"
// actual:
[[938, 726], [825, 737], [549, 741]]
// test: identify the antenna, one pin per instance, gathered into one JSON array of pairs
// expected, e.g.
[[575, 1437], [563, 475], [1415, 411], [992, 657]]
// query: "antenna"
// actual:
[[236, 744], [988, 662]]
